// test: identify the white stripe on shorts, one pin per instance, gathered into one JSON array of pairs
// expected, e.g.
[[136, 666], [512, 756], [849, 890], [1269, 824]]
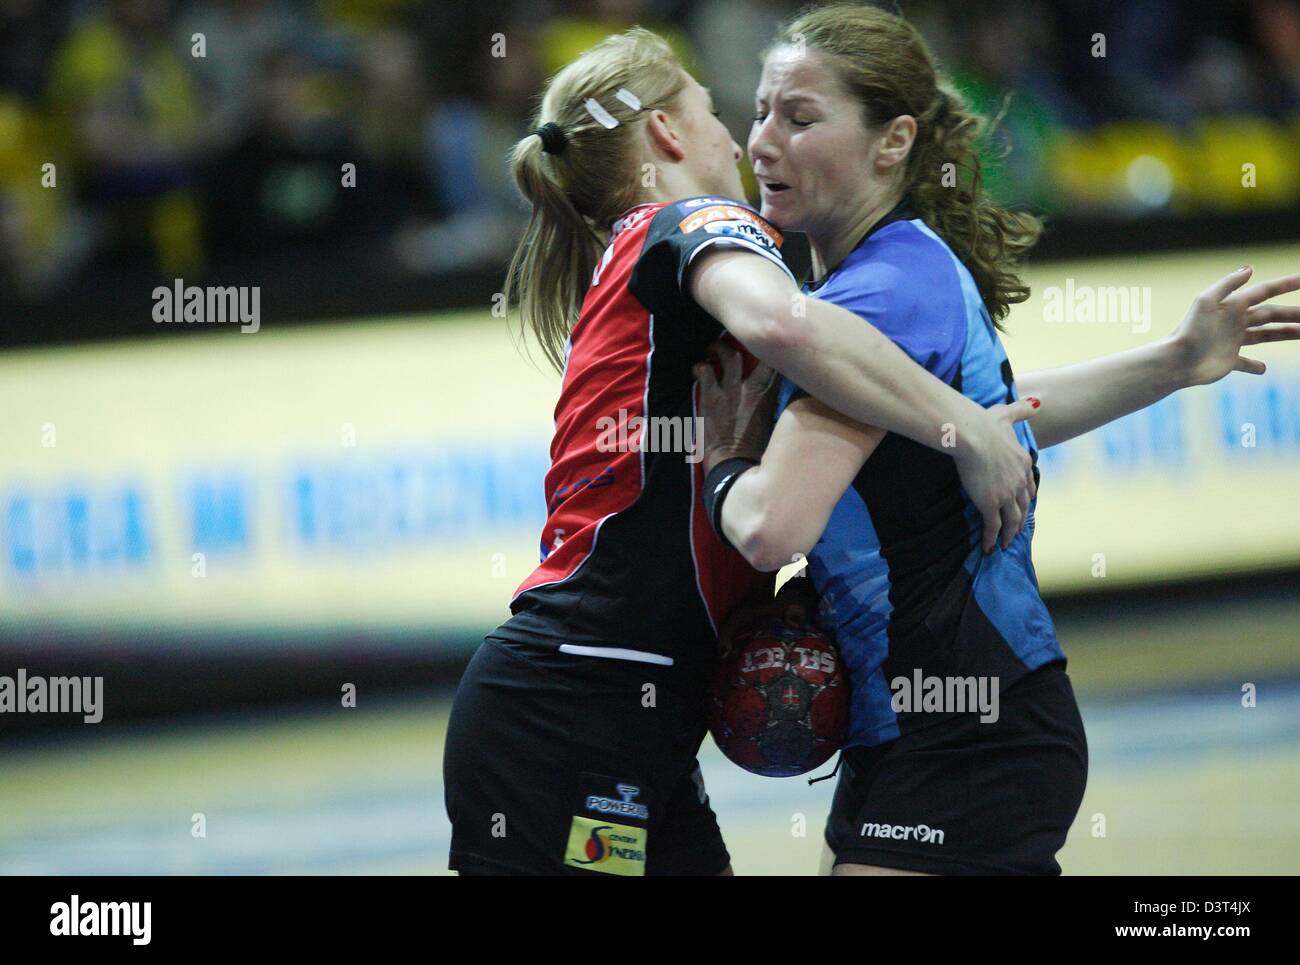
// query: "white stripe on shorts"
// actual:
[[617, 653]]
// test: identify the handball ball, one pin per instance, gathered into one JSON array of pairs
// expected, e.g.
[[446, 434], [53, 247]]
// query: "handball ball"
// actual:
[[779, 705]]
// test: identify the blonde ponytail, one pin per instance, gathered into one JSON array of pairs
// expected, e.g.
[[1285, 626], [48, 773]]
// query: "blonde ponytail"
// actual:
[[578, 191]]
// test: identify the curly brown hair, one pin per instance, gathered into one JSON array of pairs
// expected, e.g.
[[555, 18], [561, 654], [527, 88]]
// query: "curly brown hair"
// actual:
[[885, 64]]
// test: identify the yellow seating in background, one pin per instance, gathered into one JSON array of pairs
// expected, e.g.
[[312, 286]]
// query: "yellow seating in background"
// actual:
[[1223, 146], [1135, 165]]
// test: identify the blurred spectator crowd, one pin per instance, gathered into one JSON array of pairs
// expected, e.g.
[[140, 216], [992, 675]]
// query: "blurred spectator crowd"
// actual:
[[185, 132]]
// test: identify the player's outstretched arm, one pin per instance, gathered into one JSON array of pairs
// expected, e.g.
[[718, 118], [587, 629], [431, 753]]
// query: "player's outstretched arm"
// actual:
[[1204, 348], [854, 369]]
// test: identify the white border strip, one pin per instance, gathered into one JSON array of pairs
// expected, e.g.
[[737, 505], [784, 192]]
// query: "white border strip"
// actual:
[[731, 241], [617, 653], [695, 558]]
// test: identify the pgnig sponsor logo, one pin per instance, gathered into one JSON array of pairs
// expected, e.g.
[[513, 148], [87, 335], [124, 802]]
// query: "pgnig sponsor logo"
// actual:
[[903, 832], [606, 843], [625, 808]]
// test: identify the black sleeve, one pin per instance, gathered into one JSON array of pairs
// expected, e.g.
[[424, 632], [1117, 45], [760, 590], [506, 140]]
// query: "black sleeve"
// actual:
[[679, 232]]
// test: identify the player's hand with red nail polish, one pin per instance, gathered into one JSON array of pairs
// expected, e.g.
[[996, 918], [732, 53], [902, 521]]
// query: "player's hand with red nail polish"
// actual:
[[1001, 490]]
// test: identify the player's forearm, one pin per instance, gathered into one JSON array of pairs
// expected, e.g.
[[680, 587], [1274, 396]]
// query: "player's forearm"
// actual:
[[746, 513], [1079, 398], [814, 453], [833, 355], [754, 523], [860, 373]]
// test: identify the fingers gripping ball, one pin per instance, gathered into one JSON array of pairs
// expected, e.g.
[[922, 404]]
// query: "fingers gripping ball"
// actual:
[[727, 342], [780, 701]]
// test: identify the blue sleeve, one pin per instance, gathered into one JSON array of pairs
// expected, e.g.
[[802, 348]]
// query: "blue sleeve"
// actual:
[[925, 320]]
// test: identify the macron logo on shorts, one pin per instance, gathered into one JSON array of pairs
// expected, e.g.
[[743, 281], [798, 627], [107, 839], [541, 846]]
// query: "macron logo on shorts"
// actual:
[[902, 832]]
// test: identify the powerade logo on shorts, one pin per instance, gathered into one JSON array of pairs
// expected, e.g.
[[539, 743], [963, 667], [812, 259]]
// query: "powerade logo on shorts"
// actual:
[[613, 849], [902, 832], [624, 808]]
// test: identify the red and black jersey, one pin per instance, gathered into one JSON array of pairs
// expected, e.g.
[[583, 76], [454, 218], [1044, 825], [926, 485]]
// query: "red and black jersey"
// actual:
[[628, 559]]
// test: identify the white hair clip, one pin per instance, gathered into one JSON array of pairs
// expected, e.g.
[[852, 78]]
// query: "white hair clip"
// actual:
[[602, 116], [628, 98]]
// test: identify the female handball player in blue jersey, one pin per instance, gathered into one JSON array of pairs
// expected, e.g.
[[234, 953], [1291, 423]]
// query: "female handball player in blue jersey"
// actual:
[[852, 132], [572, 740]]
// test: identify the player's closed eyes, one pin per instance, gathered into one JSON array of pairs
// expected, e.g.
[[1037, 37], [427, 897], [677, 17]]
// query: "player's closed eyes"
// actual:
[[760, 117]]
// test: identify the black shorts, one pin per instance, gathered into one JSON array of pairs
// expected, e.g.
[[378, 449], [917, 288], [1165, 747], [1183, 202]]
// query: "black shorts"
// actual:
[[965, 797], [559, 763]]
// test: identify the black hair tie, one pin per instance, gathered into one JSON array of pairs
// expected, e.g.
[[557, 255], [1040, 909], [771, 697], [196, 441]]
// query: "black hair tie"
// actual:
[[553, 138]]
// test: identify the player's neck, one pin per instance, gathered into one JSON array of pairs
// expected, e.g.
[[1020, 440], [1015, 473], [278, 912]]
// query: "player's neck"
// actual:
[[833, 245], [672, 183]]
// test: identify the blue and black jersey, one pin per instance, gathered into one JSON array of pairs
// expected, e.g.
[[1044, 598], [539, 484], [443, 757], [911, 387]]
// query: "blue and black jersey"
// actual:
[[904, 583]]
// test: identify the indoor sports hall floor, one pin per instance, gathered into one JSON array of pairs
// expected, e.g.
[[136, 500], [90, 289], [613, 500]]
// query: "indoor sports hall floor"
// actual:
[[1187, 780]]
